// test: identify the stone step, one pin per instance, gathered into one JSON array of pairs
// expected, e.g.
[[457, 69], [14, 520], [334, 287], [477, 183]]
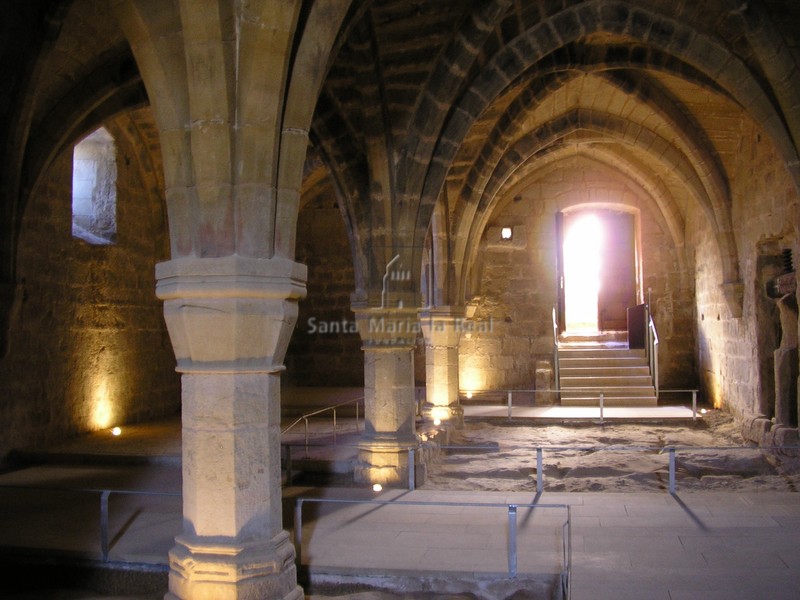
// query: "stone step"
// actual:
[[601, 363], [604, 381], [626, 391], [600, 371], [600, 352], [629, 401]]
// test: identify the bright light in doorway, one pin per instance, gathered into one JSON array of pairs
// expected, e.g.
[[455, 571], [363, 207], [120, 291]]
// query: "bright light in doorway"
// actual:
[[506, 233], [583, 245]]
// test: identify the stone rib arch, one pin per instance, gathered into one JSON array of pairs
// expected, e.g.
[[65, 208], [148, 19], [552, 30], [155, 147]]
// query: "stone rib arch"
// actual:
[[694, 141], [220, 148], [700, 153], [776, 60], [307, 77], [654, 195], [608, 127], [347, 190], [440, 91], [664, 33]]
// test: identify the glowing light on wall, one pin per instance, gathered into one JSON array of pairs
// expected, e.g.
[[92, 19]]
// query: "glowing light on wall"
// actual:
[[472, 377], [102, 407]]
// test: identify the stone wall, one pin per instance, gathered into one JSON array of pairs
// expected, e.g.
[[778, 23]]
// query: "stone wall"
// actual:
[[325, 349], [88, 344], [735, 354], [517, 290]]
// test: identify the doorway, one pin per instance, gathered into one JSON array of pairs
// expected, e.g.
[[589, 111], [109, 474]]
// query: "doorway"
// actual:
[[597, 270]]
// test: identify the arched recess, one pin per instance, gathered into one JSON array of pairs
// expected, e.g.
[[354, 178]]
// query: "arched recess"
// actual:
[[110, 90]]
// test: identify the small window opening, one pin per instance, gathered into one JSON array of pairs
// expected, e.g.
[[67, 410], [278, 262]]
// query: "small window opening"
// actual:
[[506, 233], [94, 189]]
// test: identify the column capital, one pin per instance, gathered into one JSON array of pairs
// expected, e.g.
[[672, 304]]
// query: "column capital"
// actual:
[[231, 314], [442, 325], [388, 328], [231, 277]]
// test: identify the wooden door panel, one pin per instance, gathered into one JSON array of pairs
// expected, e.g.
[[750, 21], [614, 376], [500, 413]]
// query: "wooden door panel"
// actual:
[[618, 276]]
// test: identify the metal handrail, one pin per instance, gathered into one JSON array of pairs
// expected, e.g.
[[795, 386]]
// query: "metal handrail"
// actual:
[[509, 396], [652, 349], [333, 408], [556, 370], [566, 540], [105, 494]]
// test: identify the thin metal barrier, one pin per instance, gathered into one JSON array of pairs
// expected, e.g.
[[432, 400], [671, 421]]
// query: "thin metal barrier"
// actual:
[[105, 495], [512, 549], [508, 398], [652, 347], [669, 450], [304, 418]]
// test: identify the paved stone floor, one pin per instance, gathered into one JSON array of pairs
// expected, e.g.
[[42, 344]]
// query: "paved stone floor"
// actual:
[[644, 546]]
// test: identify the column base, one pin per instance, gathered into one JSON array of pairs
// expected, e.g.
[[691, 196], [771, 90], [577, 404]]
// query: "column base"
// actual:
[[384, 460], [452, 414], [203, 570]]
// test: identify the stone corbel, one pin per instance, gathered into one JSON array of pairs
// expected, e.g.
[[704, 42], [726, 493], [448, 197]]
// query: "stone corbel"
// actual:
[[733, 292]]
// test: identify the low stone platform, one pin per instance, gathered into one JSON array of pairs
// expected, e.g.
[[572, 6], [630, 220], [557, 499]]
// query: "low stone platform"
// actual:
[[581, 413]]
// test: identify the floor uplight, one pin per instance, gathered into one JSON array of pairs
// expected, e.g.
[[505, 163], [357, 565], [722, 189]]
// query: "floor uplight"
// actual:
[[377, 487], [116, 431]]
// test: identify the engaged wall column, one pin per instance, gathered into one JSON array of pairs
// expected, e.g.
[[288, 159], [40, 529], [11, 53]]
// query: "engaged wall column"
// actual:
[[442, 329]]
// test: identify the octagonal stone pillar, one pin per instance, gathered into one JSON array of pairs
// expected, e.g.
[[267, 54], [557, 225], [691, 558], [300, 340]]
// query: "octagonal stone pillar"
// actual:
[[442, 328], [230, 320], [388, 336]]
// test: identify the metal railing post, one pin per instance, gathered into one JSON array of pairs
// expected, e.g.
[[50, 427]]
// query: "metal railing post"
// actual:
[[569, 552], [539, 470], [512, 541], [412, 483], [104, 523], [357, 429], [694, 405], [288, 465], [672, 470], [334, 426], [509, 404], [602, 396], [298, 530], [305, 421]]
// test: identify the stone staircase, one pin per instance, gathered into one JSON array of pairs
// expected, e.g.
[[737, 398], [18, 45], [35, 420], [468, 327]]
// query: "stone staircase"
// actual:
[[621, 374]]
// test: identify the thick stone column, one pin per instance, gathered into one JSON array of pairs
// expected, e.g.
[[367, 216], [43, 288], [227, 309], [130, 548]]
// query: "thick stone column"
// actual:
[[442, 328], [389, 337], [230, 320]]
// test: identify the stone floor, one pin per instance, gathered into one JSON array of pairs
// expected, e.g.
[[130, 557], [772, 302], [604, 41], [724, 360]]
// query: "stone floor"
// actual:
[[644, 545]]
